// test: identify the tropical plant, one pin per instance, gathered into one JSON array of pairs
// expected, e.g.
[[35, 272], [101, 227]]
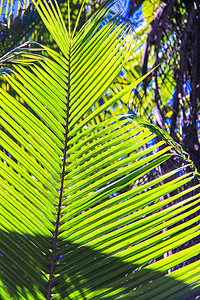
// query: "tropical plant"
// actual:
[[74, 222], [172, 101], [19, 20]]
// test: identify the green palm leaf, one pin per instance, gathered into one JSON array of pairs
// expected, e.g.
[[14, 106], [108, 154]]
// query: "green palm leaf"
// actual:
[[19, 20], [75, 222]]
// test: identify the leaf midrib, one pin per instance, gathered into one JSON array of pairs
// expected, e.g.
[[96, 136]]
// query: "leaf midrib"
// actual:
[[62, 182]]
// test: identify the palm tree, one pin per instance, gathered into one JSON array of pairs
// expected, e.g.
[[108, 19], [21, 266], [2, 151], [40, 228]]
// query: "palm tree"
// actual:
[[19, 20], [179, 33], [170, 97], [173, 42], [75, 224]]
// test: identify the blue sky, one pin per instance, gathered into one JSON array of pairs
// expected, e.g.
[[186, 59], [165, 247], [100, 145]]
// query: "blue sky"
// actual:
[[122, 6]]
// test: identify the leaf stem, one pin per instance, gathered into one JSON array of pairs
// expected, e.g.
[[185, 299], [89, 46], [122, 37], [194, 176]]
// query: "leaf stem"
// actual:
[[61, 187]]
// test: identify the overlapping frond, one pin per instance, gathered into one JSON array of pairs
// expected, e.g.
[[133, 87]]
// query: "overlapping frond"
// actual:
[[17, 20], [75, 222]]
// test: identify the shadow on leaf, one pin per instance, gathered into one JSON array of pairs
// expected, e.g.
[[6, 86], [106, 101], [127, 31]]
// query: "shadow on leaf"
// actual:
[[81, 273]]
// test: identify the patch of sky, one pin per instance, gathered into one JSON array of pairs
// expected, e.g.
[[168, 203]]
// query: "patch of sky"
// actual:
[[171, 101], [122, 72], [114, 107], [198, 126], [114, 122], [151, 142], [135, 91], [12, 8], [166, 45], [122, 158], [123, 6], [119, 6], [6, 8], [101, 101], [114, 195], [122, 119], [116, 130], [180, 173], [187, 89], [123, 125], [168, 122], [108, 93]]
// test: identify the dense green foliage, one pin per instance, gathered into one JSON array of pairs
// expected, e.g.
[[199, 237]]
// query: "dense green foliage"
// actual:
[[82, 216]]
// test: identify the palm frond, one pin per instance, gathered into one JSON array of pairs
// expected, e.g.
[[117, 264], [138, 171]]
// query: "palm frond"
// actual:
[[75, 223]]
